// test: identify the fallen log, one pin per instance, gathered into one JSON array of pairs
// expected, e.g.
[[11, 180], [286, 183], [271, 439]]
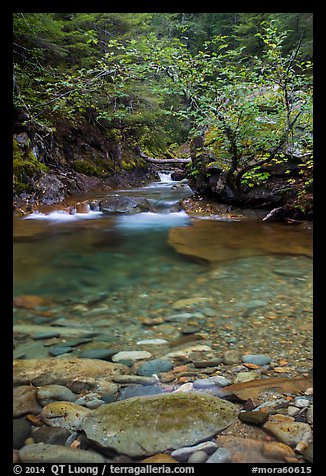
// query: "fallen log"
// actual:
[[164, 161]]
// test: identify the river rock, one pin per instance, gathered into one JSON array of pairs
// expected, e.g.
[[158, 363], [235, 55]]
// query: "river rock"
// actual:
[[51, 435], [185, 353], [155, 366], [138, 379], [64, 414], [51, 393], [221, 455], [143, 426], [131, 355], [25, 401], [42, 453], [255, 418], [310, 414], [308, 453], [36, 329], [29, 301], [124, 205], [182, 316], [60, 349], [160, 458], [102, 354], [152, 342], [139, 391], [250, 450], [197, 457], [289, 432], [256, 359], [246, 376], [182, 454], [30, 350], [21, 430], [75, 373], [232, 357], [217, 241]]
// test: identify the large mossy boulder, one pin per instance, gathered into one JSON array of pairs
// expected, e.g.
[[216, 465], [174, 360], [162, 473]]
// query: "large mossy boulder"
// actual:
[[142, 426]]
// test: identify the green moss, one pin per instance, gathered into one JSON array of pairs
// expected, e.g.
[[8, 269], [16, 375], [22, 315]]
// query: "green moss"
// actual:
[[89, 168], [25, 164]]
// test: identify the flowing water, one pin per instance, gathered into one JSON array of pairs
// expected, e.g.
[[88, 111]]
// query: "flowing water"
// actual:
[[242, 284]]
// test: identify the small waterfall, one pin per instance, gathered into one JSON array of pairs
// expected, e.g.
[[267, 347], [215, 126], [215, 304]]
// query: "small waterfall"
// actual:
[[165, 177]]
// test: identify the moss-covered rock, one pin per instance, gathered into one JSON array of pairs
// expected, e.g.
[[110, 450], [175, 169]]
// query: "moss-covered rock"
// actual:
[[143, 426]]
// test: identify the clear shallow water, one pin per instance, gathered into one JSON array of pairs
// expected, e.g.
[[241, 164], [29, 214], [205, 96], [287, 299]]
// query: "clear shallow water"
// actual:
[[114, 271]]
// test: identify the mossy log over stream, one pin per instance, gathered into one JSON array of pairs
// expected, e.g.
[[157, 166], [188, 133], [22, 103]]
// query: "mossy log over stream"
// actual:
[[164, 161]]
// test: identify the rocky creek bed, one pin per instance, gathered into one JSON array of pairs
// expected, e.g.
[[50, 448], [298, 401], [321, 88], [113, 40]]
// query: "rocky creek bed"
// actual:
[[127, 351]]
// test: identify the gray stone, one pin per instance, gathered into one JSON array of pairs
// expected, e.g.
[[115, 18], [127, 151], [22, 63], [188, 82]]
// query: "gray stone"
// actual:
[[152, 342], [246, 376], [232, 357], [310, 415], [138, 379], [144, 426], [21, 430], [155, 366], [52, 190], [30, 350], [222, 455], [221, 381], [255, 303], [309, 453], [256, 359], [46, 335], [197, 457], [139, 391], [51, 393], [132, 355], [301, 402], [103, 354], [33, 330], [51, 435], [123, 204], [200, 364], [60, 349], [95, 403], [182, 316], [292, 411], [182, 454], [42, 453], [24, 401], [22, 139]]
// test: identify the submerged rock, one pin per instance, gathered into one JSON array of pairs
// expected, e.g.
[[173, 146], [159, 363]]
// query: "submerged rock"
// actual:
[[143, 426], [42, 453], [75, 373], [64, 415], [118, 204], [25, 401]]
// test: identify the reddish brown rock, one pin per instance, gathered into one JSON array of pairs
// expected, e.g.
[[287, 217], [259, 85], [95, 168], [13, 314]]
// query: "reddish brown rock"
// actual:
[[160, 458], [29, 301], [254, 388], [217, 241], [247, 450]]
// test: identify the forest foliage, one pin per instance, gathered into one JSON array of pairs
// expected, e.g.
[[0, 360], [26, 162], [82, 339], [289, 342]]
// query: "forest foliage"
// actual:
[[243, 81]]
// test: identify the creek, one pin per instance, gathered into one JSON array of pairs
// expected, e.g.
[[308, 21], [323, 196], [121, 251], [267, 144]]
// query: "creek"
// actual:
[[163, 274]]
